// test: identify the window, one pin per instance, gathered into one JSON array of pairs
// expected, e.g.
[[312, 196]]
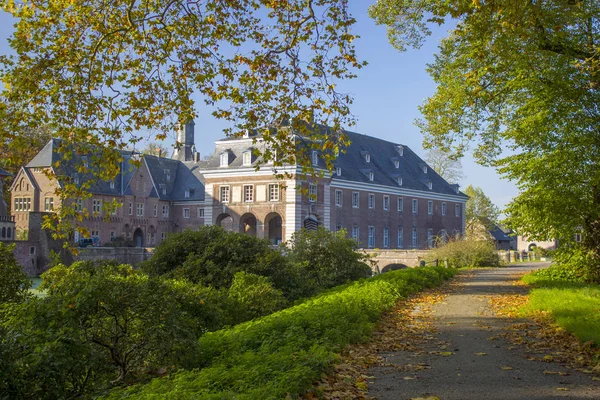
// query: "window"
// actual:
[[386, 203], [96, 206], [247, 158], [424, 168], [578, 237], [139, 208], [79, 205], [400, 204], [371, 176], [32, 251], [399, 181], [400, 238], [371, 237], [338, 198], [444, 208], [400, 150], [430, 238], [165, 211], [397, 164], [186, 194], [224, 160], [186, 213], [95, 233], [315, 158], [429, 185], [355, 232], [338, 171], [443, 236], [155, 210], [168, 177], [355, 199], [367, 157], [130, 210], [75, 178], [457, 210], [248, 193], [112, 236], [48, 203], [430, 207], [273, 192], [112, 185], [415, 206], [371, 200], [312, 192], [200, 212], [386, 237], [224, 194], [163, 235], [415, 242], [28, 203], [163, 188]]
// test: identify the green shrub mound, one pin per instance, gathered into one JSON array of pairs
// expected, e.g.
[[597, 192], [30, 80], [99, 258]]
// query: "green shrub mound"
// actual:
[[282, 354], [467, 253]]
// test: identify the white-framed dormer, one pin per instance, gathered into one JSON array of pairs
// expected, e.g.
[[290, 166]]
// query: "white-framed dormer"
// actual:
[[247, 158], [224, 159], [366, 155], [424, 168], [399, 181], [314, 158], [400, 150], [338, 171], [371, 176]]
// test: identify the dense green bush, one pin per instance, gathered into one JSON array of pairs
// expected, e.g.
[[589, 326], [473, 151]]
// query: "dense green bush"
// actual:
[[555, 272], [253, 296], [581, 264], [467, 253], [14, 285], [282, 354]]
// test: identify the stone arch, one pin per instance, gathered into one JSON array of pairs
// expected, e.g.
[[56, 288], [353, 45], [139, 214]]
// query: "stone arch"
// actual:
[[393, 267], [274, 227], [248, 224], [225, 221], [138, 238], [531, 246]]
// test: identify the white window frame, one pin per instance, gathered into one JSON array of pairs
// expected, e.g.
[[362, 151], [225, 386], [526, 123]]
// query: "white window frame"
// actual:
[[79, 205], [355, 199], [96, 206], [130, 209], [457, 210], [371, 176], [224, 194], [371, 242], [444, 208], [312, 192], [48, 203], [139, 209], [400, 204], [200, 212], [247, 158], [338, 171], [315, 158], [155, 211], [415, 206], [112, 185], [399, 181], [430, 207], [400, 237], [165, 211], [186, 213], [386, 237], [338, 198], [356, 233], [367, 157], [248, 191], [386, 203], [273, 192], [224, 160], [371, 201], [186, 194], [397, 164]]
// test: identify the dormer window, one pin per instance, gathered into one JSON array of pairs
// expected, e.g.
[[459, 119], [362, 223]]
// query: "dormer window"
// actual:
[[247, 158], [371, 176], [400, 150], [224, 159], [168, 177], [187, 194], [163, 188], [315, 158], [112, 185], [399, 181], [338, 171], [397, 164], [75, 178], [424, 167], [430, 185], [367, 157], [84, 160]]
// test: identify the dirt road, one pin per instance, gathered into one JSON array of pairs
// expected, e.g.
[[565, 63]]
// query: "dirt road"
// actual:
[[461, 353]]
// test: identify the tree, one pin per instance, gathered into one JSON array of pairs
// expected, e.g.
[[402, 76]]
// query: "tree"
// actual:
[[100, 73], [156, 149], [14, 285], [480, 212], [521, 75], [445, 164]]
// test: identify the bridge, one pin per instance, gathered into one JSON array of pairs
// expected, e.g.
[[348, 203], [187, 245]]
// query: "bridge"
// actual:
[[390, 260]]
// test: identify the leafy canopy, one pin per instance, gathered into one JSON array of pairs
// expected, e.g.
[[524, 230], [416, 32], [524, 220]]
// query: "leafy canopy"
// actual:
[[522, 76]]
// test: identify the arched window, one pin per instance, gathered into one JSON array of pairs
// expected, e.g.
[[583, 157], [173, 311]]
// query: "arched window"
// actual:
[[8, 233], [3, 232]]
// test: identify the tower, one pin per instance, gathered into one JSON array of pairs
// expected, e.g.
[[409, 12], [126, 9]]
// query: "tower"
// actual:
[[185, 143]]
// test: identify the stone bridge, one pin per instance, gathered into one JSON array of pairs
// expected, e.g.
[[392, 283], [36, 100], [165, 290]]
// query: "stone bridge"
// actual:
[[390, 260]]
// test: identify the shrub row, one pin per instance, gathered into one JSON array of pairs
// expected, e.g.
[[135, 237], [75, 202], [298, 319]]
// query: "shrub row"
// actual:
[[467, 253], [282, 354]]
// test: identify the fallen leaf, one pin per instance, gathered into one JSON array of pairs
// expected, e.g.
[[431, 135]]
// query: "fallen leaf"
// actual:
[[506, 368], [564, 389], [409, 378], [551, 372], [481, 354]]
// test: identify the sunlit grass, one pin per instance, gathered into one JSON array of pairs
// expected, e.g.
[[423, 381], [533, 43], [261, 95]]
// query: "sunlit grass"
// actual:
[[35, 283]]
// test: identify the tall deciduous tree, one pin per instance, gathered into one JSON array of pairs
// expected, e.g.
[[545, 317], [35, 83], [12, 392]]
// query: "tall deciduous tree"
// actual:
[[101, 72], [447, 165], [480, 212], [525, 75]]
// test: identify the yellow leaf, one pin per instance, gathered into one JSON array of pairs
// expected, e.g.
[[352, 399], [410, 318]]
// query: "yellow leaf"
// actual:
[[564, 389], [506, 368], [481, 354]]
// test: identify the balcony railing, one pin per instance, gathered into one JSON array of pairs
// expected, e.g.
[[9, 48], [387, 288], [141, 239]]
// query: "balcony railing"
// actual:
[[7, 218]]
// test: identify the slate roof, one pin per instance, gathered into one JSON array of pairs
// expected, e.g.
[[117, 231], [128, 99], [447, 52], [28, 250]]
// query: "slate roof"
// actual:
[[180, 176], [500, 234], [4, 173]]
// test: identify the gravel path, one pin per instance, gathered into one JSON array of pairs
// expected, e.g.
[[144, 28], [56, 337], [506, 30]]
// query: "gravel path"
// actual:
[[462, 357]]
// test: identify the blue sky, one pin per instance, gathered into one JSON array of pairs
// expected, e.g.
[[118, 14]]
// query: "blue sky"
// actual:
[[386, 95]]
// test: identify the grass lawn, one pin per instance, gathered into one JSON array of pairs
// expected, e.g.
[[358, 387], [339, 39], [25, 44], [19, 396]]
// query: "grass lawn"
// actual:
[[35, 283], [574, 306]]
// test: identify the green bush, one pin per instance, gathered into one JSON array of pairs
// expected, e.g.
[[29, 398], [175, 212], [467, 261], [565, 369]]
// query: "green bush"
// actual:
[[582, 264], [253, 296], [282, 354], [552, 274], [467, 253], [14, 285]]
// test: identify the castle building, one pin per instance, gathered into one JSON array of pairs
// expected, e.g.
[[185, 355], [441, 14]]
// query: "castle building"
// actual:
[[7, 222], [380, 192]]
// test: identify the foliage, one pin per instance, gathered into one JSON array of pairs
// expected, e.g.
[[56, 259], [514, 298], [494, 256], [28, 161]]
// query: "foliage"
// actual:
[[467, 253], [325, 259], [523, 76], [480, 212], [447, 165], [156, 149], [281, 355], [253, 296], [100, 325], [14, 285], [579, 261], [126, 67], [212, 256], [574, 306]]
